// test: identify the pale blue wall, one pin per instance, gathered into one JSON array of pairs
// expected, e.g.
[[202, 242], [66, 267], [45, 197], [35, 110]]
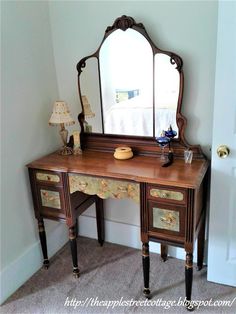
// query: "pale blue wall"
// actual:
[[29, 88]]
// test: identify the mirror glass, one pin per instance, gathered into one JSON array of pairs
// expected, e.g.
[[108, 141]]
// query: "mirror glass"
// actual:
[[126, 73], [167, 82], [90, 94], [129, 86]]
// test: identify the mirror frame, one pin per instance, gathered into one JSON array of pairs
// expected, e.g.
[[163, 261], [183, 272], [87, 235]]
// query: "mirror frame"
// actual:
[[141, 145]]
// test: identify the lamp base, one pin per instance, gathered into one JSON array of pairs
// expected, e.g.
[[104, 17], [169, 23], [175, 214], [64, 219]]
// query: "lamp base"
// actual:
[[66, 151]]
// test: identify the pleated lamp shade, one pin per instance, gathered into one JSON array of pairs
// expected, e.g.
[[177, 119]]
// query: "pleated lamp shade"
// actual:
[[87, 109], [61, 114]]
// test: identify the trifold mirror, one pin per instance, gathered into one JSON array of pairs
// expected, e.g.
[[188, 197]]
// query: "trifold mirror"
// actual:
[[129, 87]]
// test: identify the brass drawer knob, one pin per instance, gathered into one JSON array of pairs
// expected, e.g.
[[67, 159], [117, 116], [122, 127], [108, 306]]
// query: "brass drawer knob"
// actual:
[[83, 184], [169, 219], [123, 189]]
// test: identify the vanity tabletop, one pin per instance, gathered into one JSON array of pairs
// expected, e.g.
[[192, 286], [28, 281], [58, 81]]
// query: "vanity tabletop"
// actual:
[[139, 168]]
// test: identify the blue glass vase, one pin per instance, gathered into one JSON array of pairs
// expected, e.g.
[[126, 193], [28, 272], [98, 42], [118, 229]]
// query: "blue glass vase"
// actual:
[[163, 140], [170, 133]]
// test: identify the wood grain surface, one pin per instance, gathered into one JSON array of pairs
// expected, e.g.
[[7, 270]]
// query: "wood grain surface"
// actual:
[[138, 169]]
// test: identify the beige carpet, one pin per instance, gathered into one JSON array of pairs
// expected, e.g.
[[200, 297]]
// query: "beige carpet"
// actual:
[[112, 273]]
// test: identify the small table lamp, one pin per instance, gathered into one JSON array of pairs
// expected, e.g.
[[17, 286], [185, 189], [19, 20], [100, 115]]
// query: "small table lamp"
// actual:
[[87, 114], [61, 115]]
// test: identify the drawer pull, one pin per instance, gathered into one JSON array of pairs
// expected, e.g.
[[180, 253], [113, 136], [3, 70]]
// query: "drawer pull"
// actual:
[[123, 189], [83, 184], [169, 219], [163, 195]]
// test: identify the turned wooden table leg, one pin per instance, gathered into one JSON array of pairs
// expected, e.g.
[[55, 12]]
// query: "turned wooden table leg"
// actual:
[[188, 275], [164, 252], [76, 228], [43, 241], [73, 246], [100, 220], [201, 244], [146, 269]]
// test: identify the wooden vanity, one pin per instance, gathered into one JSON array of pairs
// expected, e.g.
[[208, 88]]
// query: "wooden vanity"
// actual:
[[172, 199]]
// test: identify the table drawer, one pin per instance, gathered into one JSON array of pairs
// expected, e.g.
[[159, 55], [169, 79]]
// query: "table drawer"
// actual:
[[166, 219], [167, 194], [48, 177], [104, 187], [51, 201], [50, 198]]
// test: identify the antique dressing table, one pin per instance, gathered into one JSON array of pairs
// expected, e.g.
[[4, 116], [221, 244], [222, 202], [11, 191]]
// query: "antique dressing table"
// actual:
[[172, 199]]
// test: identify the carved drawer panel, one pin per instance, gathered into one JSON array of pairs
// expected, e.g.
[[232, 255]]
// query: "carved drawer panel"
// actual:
[[166, 220], [103, 187], [51, 202], [50, 198], [167, 194], [51, 178]]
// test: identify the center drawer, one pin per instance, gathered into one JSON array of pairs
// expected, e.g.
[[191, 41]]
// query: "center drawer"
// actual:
[[104, 187]]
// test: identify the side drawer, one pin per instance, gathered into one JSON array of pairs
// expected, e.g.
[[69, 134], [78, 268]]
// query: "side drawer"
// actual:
[[51, 202], [166, 221], [48, 177], [167, 194]]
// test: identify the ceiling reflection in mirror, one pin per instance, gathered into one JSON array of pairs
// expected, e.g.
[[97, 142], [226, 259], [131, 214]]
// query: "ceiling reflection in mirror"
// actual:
[[167, 83], [126, 68], [90, 94]]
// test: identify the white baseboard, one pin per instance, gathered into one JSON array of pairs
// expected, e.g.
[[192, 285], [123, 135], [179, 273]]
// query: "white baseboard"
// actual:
[[124, 234], [20, 270]]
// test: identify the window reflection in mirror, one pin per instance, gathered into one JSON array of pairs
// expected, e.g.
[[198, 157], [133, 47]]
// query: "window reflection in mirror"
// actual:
[[126, 71], [90, 93], [166, 89]]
